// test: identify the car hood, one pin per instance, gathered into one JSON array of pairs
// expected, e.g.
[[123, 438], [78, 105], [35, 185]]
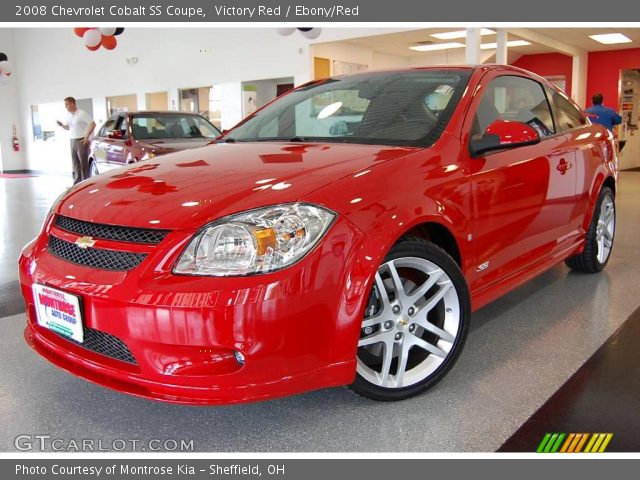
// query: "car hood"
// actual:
[[188, 189]]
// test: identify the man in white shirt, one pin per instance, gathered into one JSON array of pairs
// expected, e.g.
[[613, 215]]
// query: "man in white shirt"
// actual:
[[81, 126]]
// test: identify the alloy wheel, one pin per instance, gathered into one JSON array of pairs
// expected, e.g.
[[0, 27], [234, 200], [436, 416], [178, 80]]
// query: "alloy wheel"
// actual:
[[411, 324], [605, 228]]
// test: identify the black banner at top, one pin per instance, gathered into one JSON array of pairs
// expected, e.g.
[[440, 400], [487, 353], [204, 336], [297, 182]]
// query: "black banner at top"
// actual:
[[303, 12]]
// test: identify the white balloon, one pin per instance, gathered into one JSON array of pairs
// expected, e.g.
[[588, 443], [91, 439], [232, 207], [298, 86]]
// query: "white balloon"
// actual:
[[6, 68], [107, 32], [286, 31], [313, 33], [92, 38]]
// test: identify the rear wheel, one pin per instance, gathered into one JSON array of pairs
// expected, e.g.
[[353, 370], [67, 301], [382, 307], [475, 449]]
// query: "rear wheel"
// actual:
[[415, 323], [599, 237]]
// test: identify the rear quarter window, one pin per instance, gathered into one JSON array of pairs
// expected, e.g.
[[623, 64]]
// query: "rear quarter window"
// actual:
[[569, 117]]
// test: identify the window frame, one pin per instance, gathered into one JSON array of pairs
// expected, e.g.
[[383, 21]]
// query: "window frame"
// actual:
[[481, 90]]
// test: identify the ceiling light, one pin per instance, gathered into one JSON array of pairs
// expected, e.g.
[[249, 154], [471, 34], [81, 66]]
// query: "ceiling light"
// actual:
[[610, 38], [511, 43], [436, 46], [459, 34]]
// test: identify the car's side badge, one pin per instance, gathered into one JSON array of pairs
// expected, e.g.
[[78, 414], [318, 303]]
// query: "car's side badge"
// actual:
[[482, 266]]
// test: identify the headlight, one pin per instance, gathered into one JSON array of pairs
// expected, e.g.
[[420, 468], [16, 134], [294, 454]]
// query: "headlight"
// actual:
[[148, 154], [257, 241]]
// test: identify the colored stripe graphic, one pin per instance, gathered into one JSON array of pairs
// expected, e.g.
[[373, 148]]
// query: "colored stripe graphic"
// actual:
[[543, 443], [567, 443], [607, 439], [556, 446], [574, 442], [582, 442], [590, 444]]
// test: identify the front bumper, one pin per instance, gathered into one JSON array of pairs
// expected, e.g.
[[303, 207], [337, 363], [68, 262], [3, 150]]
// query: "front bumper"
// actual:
[[297, 328]]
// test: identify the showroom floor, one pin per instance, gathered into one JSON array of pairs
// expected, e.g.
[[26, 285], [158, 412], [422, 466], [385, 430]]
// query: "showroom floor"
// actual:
[[521, 350]]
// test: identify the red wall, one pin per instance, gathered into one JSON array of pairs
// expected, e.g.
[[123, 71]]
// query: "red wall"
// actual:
[[603, 73], [548, 65]]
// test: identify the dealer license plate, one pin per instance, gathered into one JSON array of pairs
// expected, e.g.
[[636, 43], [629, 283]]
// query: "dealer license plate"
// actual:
[[58, 311]]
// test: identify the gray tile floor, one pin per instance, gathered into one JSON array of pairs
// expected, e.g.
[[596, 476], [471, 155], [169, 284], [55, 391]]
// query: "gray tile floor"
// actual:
[[520, 350]]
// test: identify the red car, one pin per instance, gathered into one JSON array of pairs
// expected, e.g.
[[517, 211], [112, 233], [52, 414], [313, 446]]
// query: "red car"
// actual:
[[129, 137], [342, 235]]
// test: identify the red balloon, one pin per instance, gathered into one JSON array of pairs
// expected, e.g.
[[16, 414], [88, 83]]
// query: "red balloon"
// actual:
[[109, 42], [80, 31], [93, 49]]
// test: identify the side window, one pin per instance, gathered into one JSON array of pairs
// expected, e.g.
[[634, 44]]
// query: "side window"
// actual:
[[514, 98], [124, 126], [569, 116], [109, 126]]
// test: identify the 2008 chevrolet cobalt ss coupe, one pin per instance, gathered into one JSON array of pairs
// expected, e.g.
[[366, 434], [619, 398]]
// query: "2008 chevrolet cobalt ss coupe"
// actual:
[[342, 235]]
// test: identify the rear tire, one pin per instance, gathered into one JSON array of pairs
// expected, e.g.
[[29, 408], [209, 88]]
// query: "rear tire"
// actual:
[[599, 238], [415, 324]]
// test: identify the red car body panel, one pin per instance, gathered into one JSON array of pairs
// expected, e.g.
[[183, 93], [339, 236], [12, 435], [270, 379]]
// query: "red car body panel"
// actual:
[[523, 209]]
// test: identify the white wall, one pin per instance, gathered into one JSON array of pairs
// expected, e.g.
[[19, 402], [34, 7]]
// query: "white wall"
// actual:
[[266, 90], [454, 56], [381, 61], [353, 53], [9, 109], [54, 63]]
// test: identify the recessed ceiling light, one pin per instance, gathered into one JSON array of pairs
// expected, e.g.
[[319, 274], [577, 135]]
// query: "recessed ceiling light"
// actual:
[[459, 34], [610, 38], [510, 43], [436, 46]]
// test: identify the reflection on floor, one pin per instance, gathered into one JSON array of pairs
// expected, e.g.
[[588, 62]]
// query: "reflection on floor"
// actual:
[[521, 349]]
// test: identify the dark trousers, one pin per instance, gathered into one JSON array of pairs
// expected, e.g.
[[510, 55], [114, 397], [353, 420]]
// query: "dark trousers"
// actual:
[[79, 160]]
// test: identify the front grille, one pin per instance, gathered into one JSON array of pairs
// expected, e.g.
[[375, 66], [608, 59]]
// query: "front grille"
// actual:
[[111, 232], [94, 257], [104, 344]]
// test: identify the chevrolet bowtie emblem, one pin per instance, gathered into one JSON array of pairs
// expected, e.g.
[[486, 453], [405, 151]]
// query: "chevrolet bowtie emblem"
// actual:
[[404, 322], [85, 242]]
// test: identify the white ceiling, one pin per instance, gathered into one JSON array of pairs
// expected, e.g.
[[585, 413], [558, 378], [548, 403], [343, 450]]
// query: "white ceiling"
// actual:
[[398, 43]]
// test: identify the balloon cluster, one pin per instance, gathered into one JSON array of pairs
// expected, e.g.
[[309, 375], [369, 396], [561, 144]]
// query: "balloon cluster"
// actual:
[[307, 32], [5, 67], [94, 38]]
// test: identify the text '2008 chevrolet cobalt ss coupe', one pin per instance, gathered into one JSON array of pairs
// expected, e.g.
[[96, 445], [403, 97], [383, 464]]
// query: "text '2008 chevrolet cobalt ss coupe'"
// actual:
[[342, 235]]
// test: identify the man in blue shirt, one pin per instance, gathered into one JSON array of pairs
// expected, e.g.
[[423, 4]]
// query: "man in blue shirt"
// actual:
[[603, 115]]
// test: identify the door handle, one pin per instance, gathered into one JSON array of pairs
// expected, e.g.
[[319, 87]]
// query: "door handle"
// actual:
[[563, 166]]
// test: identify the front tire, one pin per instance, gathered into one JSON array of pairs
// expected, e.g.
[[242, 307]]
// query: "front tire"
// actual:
[[415, 324], [599, 237]]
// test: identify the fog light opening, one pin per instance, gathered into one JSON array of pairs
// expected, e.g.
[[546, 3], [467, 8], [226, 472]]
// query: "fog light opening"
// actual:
[[239, 357]]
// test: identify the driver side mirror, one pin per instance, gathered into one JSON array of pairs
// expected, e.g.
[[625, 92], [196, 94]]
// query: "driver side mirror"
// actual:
[[116, 134], [503, 134]]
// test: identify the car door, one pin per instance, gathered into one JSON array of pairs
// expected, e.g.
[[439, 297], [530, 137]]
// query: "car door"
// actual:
[[521, 196], [117, 149], [589, 152], [102, 141]]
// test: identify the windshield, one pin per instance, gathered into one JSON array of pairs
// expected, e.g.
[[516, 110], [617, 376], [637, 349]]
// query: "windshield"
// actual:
[[390, 108], [158, 126]]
